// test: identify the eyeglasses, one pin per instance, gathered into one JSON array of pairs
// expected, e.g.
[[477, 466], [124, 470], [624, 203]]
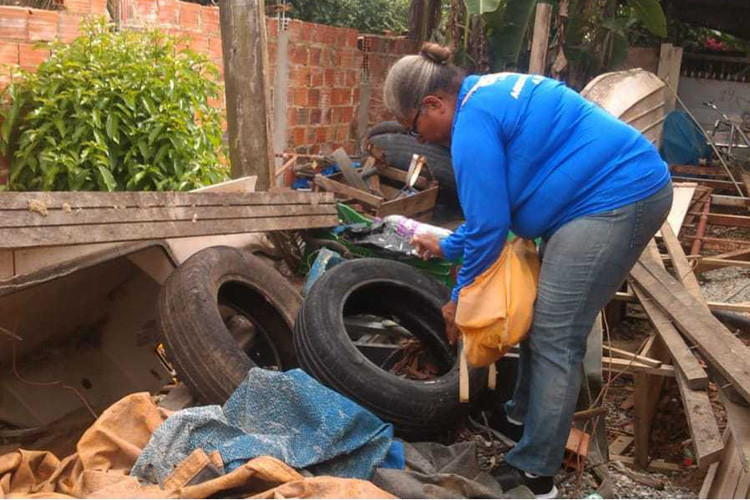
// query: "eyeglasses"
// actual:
[[413, 128]]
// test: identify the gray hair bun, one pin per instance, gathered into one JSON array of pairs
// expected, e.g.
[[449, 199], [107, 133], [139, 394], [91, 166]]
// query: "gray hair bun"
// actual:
[[436, 53]]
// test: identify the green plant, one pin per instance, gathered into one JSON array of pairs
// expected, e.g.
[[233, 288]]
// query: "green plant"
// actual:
[[369, 16], [114, 111]]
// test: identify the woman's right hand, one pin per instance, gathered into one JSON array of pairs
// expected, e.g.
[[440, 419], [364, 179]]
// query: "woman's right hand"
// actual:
[[427, 246]]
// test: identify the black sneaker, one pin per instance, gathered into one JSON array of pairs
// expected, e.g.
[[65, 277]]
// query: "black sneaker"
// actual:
[[498, 421], [509, 477]]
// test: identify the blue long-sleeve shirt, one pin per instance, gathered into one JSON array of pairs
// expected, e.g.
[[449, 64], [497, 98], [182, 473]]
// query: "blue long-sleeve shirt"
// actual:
[[529, 154]]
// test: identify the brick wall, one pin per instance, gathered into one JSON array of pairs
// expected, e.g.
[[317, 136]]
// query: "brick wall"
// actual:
[[324, 87], [380, 53], [325, 64]]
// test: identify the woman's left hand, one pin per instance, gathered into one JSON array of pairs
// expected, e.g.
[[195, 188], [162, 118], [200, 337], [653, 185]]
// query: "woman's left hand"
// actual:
[[449, 316]]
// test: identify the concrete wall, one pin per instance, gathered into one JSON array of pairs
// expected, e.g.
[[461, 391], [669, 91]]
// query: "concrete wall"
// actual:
[[731, 97]]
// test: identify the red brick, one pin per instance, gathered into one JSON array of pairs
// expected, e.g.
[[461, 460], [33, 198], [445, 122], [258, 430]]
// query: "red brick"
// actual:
[[316, 78], [190, 15], [330, 76], [8, 53], [339, 79], [300, 97], [328, 116], [341, 97], [347, 114], [298, 136], [321, 134], [78, 6], [210, 21], [300, 55], [313, 98], [311, 135], [314, 57], [355, 97], [68, 28], [30, 57], [99, 8], [291, 117], [214, 49], [272, 27], [145, 12], [199, 43], [14, 23], [168, 12], [316, 116], [336, 117], [42, 25]]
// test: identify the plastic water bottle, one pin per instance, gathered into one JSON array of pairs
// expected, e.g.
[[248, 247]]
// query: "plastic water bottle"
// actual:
[[408, 228]]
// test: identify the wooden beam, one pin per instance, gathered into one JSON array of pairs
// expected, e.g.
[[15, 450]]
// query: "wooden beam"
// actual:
[[738, 418], [540, 40], [707, 443], [714, 306], [248, 97], [720, 347], [617, 365], [695, 376], [670, 62], [72, 201], [621, 353], [682, 267]]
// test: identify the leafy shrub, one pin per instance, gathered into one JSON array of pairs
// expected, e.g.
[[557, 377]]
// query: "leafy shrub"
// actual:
[[369, 16], [115, 111]]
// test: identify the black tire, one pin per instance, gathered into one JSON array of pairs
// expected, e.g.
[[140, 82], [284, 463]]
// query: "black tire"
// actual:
[[192, 303], [417, 409], [391, 127], [398, 149]]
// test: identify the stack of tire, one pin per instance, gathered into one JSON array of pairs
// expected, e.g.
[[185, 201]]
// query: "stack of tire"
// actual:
[[204, 343], [418, 409], [398, 147]]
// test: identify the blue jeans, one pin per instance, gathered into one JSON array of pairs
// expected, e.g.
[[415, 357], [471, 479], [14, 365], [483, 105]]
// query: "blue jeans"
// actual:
[[583, 264]]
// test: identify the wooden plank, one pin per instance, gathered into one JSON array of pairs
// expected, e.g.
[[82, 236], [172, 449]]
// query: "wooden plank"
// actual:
[[693, 170], [410, 205], [144, 199], [400, 175], [241, 185], [708, 481], [100, 233], [247, 87], [704, 430], [725, 219], [682, 267], [683, 195], [620, 444], [742, 485], [658, 464], [705, 263], [695, 376], [21, 219], [286, 166], [721, 200], [738, 418], [714, 306], [621, 353], [342, 189], [720, 348], [734, 254], [7, 267], [617, 365], [729, 472]]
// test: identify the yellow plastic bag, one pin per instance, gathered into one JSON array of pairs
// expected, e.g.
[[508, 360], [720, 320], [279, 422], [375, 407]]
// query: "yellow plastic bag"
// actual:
[[495, 312]]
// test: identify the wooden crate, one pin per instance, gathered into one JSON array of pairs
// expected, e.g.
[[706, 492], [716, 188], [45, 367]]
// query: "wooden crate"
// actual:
[[391, 180]]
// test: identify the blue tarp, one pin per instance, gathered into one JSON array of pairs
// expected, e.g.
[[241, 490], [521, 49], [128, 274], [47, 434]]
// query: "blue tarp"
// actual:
[[286, 415], [683, 142]]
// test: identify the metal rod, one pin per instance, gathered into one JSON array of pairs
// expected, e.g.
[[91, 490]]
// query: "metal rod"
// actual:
[[701, 231]]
